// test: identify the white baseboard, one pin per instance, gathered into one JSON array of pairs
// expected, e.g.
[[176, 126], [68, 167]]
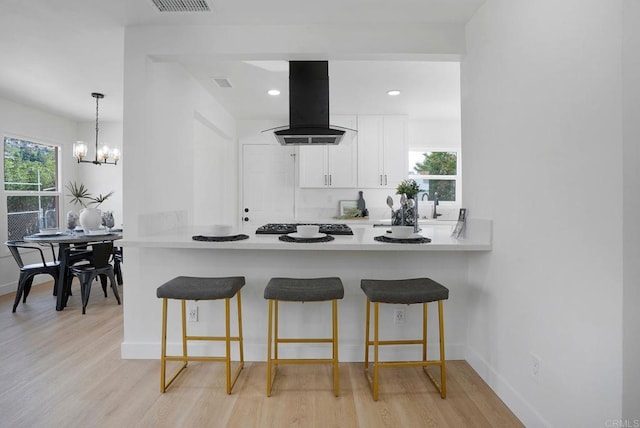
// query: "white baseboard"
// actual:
[[13, 286], [8, 288], [527, 414]]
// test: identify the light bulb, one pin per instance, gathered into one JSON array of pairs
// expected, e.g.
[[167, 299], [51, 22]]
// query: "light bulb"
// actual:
[[79, 150], [103, 153]]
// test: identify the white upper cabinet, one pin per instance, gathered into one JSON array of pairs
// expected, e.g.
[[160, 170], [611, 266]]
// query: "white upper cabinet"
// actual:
[[382, 151], [331, 166]]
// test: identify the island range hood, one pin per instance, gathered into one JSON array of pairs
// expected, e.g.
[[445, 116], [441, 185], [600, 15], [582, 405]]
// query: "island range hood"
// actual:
[[309, 106]]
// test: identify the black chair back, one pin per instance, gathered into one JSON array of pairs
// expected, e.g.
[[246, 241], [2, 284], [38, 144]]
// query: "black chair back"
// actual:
[[13, 248], [15, 245], [101, 254]]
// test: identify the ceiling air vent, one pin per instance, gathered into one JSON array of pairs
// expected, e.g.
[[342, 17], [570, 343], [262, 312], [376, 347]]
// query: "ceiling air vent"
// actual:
[[222, 82], [182, 5]]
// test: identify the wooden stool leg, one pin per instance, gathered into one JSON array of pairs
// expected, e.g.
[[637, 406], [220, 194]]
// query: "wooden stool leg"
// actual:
[[240, 338], [336, 374], [366, 336], [163, 347], [275, 331], [376, 313], [424, 331], [184, 333], [227, 343], [443, 375], [270, 325], [163, 357]]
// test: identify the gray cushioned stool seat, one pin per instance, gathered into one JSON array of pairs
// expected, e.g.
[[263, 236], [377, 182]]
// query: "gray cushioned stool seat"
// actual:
[[304, 289], [198, 288], [407, 291]]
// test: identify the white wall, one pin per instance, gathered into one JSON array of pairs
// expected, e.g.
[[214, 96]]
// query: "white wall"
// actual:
[[631, 207], [424, 132], [17, 120], [161, 168], [541, 109]]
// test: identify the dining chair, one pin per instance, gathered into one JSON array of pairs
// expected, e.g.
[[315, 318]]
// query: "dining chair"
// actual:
[[29, 271], [117, 257], [98, 267]]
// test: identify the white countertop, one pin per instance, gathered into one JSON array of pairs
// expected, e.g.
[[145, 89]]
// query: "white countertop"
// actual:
[[477, 237]]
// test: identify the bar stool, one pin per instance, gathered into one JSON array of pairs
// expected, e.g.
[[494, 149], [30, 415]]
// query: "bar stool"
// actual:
[[302, 290], [404, 291], [193, 288]]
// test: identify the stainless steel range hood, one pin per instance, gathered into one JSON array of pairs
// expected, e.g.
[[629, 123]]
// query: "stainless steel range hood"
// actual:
[[309, 106]]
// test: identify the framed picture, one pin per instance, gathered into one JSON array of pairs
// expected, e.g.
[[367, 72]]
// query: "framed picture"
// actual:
[[347, 207]]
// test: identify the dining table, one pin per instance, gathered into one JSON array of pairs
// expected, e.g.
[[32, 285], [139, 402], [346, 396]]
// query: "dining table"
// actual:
[[65, 241]]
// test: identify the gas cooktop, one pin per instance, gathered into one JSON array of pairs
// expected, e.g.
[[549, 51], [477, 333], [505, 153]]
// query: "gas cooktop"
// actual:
[[282, 228]]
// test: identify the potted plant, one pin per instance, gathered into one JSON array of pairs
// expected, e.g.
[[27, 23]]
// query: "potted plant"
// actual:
[[90, 217], [409, 188], [408, 212]]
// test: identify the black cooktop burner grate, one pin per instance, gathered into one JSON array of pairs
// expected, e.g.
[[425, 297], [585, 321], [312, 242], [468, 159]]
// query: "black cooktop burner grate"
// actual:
[[282, 228]]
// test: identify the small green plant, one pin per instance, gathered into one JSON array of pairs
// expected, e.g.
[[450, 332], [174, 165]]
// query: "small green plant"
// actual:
[[79, 194], [100, 199], [408, 187]]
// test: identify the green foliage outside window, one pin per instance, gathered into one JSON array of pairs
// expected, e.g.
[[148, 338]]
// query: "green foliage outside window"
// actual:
[[23, 161], [439, 163]]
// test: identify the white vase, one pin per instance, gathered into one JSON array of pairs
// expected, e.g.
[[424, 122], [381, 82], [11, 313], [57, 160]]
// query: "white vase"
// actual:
[[90, 219]]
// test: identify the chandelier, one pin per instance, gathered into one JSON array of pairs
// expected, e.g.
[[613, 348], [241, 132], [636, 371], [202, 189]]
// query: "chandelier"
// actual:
[[104, 154]]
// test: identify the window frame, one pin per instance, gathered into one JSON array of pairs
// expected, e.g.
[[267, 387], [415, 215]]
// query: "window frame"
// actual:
[[4, 209], [457, 177]]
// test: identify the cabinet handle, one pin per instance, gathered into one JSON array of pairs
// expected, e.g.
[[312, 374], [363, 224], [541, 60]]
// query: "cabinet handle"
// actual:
[[329, 179], [381, 179], [325, 179], [385, 179], [246, 210], [246, 219]]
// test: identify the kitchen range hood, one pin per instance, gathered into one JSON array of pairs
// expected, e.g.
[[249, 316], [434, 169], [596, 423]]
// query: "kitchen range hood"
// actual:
[[309, 106]]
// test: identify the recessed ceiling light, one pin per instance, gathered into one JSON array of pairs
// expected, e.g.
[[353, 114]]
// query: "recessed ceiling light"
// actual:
[[393, 92], [273, 92]]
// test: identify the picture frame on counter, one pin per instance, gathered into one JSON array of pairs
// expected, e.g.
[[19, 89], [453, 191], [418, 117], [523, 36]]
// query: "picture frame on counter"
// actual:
[[347, 206], [462, 221]]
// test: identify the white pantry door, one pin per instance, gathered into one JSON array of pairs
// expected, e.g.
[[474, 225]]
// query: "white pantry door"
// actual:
[[267, 184]]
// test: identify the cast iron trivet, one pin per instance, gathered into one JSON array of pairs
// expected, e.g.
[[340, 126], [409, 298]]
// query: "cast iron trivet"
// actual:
[[422, 240], [220, 238], [287, 238]]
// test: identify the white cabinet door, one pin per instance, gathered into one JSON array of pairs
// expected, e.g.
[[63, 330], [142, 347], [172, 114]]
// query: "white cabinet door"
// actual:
[[313, 166], [370, 134], [342, 166], [382, 151], [395, 151], [330, 166], [267, 184]]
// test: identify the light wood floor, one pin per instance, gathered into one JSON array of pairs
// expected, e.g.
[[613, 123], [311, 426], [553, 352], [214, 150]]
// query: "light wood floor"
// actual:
[[63, 369]]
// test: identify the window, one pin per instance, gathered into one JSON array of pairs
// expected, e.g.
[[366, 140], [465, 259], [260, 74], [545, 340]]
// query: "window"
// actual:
[[31, 186], [436, 171]]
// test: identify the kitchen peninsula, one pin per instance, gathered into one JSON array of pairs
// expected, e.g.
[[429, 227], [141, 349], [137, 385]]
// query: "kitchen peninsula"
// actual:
[[160, 256]]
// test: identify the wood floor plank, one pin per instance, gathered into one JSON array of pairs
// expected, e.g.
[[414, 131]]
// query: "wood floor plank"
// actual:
[[63, 369]]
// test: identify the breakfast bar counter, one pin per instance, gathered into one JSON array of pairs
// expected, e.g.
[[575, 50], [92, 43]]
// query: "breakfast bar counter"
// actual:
[[477, 237], [154, 259]]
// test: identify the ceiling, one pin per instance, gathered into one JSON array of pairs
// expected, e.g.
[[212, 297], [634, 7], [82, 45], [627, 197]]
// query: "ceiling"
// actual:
[[55, 53]]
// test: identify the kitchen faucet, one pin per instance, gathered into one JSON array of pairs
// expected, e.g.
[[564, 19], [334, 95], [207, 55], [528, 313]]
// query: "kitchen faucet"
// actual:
[[436, 202]]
